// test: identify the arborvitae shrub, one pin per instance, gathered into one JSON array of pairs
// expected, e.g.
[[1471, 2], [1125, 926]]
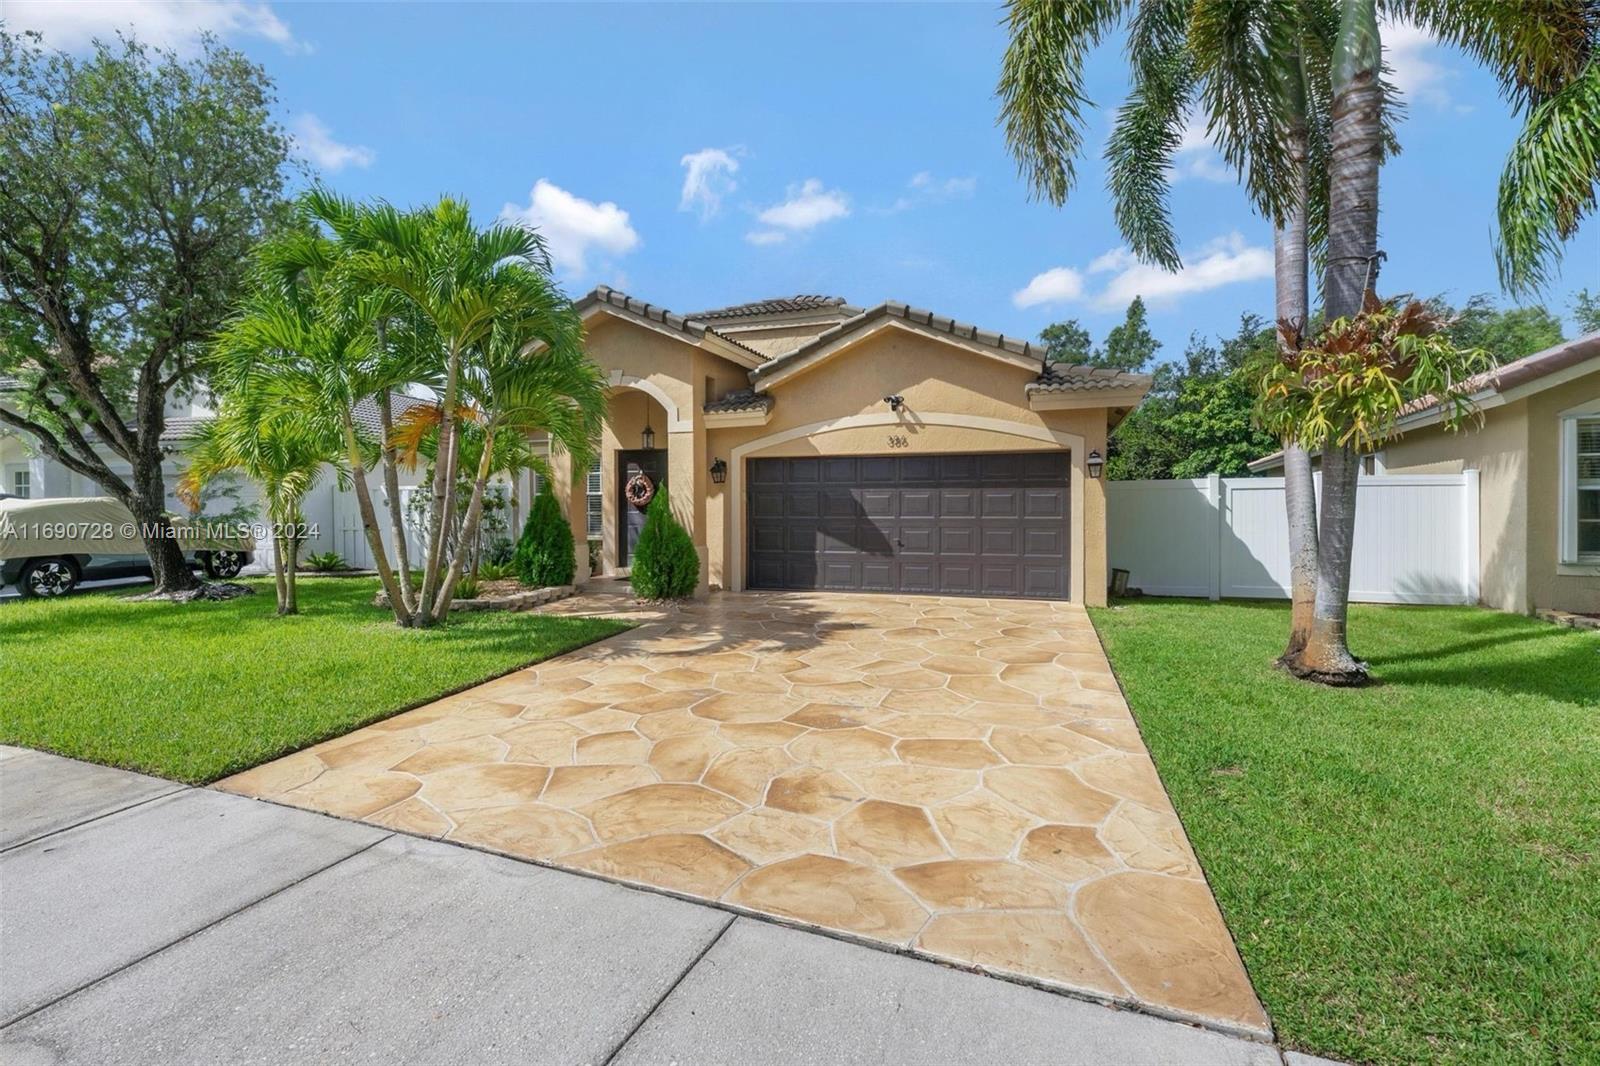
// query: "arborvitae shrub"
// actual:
[[544, 554], [665, 564]]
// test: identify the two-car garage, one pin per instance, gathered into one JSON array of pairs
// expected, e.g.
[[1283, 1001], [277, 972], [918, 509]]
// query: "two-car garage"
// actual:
[[988, 524]]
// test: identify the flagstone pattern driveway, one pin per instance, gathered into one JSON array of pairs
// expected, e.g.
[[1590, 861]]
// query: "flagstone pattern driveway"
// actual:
[[958, 778]]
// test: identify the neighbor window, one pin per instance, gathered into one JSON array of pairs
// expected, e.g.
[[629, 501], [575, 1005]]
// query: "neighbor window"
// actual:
[[1587, 487], [22, 483], [594, 500]]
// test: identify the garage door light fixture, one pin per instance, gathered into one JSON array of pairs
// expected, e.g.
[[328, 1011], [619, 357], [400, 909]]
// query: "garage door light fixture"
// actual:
[[719, 471], [1095, 465]]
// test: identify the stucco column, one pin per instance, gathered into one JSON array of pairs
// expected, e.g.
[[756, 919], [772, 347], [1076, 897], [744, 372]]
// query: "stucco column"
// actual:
[[686, 482], [1095, 574], [569, 486]]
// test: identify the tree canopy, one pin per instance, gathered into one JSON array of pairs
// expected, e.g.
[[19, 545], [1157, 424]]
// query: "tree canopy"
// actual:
[[1197, 419], [1505, 333], [1128, 346], [135, 184]]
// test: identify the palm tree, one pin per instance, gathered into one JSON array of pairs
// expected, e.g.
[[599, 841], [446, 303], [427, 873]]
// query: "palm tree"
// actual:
[[1293, 97], [463, 282], [285, 454], [531, 375], [1260, 86], [305, 340]]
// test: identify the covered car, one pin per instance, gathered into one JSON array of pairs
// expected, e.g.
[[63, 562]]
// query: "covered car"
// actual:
[[47, 547]]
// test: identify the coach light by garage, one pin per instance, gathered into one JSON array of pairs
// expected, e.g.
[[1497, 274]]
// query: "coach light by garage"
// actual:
[[719, 471], [1095, 463]]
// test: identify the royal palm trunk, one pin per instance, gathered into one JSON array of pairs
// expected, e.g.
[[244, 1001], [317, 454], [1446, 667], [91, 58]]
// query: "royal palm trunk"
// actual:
[[1354, 157], [1294, 310]]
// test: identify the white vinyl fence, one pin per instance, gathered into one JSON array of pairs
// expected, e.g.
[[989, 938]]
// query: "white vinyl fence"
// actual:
[[1416, 537]]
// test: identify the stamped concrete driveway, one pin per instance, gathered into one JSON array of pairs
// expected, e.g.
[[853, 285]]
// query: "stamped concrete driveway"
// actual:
[[956, 778]]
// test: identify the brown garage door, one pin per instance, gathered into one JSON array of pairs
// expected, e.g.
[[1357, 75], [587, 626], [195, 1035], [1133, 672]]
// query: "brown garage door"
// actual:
[[961, 525]]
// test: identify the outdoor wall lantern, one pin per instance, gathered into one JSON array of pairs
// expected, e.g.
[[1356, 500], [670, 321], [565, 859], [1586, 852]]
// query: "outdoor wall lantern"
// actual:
[[895, 402], [647, 439], [1095, 463], [719, 471]]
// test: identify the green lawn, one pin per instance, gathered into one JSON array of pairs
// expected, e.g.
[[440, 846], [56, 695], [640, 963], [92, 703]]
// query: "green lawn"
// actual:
[[200, 691], [1412, 870]]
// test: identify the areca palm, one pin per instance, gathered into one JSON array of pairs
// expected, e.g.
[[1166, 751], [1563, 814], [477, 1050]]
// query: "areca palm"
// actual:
[[464, 282], [531, 375], [286, 454], [304, 340]]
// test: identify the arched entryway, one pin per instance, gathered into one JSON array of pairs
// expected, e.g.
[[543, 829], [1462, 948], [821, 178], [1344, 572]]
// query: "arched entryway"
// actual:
[[635, 446]]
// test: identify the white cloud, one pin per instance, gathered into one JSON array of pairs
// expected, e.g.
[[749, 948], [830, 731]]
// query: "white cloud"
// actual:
[[1411, 53], [708, 177], [574, 227], [313, 137], [1223, 261], [927, 189], [1054, 286], [766, 236], [1196, 158], [177, 24], [809, 205]]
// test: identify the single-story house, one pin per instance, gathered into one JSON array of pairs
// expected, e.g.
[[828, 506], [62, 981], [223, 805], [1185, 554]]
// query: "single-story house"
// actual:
[[1537, 454], [809, 444]]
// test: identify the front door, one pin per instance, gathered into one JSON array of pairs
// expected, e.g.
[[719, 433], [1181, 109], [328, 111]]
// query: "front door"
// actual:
[[653, 465]]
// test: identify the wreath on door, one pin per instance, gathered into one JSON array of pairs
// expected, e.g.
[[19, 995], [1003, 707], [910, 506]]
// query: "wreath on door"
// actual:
[[640, 490]]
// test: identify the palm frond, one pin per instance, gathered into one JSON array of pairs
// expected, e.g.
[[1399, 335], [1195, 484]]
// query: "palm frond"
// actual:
[[1139, 153], [1549, 183], [1041, 86]]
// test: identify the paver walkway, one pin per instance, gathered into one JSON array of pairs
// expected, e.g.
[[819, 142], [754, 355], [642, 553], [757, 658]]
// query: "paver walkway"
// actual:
[[146, 922], [958, 778]]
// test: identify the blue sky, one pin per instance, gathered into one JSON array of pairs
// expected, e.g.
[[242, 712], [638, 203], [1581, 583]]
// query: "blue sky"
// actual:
[[702, 155]]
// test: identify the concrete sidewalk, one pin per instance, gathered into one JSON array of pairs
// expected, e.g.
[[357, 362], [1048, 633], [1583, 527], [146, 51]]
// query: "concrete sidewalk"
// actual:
[[146, 922]]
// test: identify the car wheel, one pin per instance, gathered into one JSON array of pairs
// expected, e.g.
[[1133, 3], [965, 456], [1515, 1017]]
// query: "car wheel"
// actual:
[[46, 578], [224, 564]]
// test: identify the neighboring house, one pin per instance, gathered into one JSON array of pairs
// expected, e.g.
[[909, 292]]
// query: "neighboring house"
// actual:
[[1537, 455], [806, 443], [329, 508]]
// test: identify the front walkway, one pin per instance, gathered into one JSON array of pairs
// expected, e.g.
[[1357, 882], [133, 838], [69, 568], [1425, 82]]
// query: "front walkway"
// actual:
[[956, 778], [146, 922]]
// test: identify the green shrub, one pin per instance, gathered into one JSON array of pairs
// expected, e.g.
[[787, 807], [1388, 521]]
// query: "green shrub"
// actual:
[[496, 571], [665, 564], [467, 588], [326, 561], [544, 554], [500, 551]]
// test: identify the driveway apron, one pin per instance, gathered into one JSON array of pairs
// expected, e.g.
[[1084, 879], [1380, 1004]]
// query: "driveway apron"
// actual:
[[952, 777]]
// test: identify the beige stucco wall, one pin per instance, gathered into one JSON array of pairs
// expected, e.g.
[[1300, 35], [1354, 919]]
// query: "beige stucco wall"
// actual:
[[1498, 451], [651, 371], [955, 401], [1517, 455]]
